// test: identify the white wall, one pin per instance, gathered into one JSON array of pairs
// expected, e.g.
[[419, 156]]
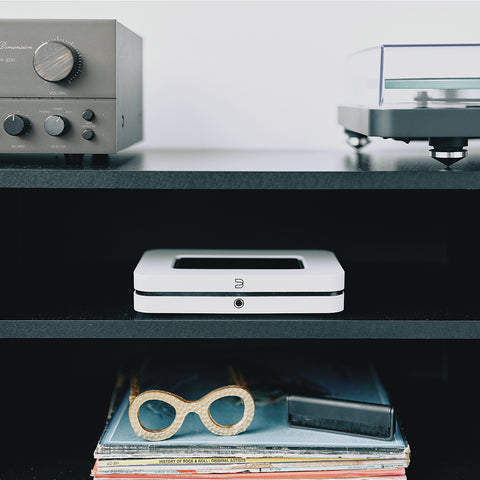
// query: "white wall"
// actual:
[[257, 74]]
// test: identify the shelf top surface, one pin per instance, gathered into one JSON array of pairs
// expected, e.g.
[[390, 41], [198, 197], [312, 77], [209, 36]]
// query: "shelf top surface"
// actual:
[[105, 310], [407, 167]]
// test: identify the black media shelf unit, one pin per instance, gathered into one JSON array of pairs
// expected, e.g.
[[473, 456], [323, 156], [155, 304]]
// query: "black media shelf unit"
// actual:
[[404, 228]]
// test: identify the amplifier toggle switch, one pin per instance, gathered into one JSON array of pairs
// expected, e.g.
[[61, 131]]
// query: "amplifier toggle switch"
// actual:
[[88, 134], [88, 115], [15, 124], [55, 125]]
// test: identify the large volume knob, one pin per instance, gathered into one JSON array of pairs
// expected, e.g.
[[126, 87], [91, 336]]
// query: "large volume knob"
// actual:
[[54, 61], [15, 125]]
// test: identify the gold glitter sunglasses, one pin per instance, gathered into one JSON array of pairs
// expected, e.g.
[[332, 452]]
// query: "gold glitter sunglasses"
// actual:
[[183, 407]]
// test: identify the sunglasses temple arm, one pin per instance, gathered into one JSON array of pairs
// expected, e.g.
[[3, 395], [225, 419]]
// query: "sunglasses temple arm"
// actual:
[[134, 386], [236, 377]]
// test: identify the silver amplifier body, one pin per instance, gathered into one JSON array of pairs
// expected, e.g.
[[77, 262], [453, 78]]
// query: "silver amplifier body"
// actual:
[[69, 86]]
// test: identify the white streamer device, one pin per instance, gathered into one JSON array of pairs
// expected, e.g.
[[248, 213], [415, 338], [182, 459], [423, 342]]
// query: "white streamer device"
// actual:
[[238, 281]]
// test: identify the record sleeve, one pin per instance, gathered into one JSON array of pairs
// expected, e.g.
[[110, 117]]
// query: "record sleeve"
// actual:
[[269, 435]]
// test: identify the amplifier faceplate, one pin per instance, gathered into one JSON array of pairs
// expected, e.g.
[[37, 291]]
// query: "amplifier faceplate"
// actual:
[[54, 72], [35, 138]]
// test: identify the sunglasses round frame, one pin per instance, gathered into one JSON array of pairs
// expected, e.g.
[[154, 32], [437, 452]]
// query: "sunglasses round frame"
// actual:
[[183, 407]]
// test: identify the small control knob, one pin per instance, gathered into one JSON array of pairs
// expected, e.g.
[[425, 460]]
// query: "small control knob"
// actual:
[[88, 134], [55, 125], [15, 125], [54, 61], [88, 115]]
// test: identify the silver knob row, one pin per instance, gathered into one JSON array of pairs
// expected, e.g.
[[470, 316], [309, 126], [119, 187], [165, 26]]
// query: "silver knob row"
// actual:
[[54, 125]]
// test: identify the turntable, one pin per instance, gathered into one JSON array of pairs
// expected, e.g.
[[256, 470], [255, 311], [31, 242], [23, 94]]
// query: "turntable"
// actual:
[[415, 92]]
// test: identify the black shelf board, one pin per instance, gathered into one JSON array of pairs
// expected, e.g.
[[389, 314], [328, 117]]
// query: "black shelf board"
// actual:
[[408, 303], [407, 167], [288, 327]]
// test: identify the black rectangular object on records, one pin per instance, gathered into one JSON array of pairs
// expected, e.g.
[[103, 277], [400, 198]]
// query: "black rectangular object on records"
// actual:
[[344, 416]]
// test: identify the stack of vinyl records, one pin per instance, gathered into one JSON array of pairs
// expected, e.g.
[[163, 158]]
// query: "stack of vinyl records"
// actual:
[[270, 448]]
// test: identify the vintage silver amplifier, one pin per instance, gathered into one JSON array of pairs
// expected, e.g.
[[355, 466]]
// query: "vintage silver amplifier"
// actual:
[[69, 86]]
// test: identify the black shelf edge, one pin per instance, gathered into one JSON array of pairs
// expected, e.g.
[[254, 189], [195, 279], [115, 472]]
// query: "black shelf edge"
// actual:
[[235, 328], [48, 179], [408, 168]]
